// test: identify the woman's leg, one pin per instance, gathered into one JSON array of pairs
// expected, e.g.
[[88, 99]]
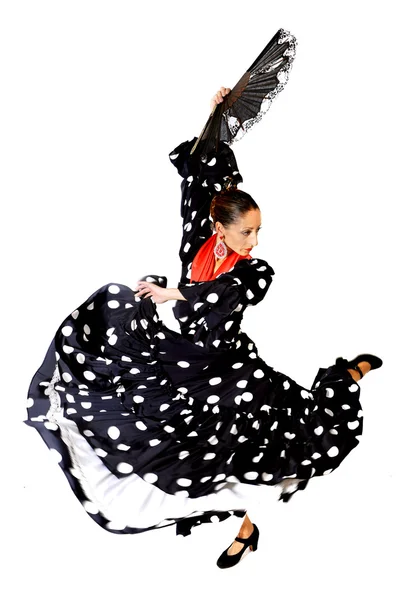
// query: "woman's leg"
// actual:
[[364, 366], [247, 527], [246, 530]]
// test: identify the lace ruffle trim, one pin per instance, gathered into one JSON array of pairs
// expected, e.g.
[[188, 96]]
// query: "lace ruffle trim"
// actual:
[[55, 409], [237, 129]]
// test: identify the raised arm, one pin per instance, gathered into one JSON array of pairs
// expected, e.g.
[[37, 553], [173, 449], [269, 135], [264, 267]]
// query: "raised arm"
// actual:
[[201, 180]]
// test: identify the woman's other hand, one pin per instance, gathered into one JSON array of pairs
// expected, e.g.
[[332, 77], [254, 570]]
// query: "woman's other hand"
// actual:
[[219, 96], [157, 293]]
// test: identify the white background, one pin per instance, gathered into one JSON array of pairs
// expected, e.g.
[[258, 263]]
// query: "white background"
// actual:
[[94, 97]]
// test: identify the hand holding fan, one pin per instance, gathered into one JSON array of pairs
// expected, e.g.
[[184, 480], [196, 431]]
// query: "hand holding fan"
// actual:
[[252, 96]]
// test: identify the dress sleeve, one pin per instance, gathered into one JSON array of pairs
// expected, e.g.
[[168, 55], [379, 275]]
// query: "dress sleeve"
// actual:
[[202, 178], [213, 310]]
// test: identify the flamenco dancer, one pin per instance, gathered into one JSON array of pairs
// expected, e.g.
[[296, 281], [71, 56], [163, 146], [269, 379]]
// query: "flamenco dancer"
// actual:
[[153, 427]]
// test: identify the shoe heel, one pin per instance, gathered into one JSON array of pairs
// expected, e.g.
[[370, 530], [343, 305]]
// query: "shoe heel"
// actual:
[[250, 545], [254, 543]]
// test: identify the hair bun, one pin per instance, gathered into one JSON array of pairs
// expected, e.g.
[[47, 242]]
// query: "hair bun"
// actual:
[[230, 203], [229, 184]]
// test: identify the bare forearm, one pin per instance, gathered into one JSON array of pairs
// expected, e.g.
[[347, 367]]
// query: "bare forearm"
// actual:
[[174, 294]]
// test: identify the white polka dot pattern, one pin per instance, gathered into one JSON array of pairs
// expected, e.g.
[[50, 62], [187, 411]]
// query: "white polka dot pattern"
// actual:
[[189, 413]]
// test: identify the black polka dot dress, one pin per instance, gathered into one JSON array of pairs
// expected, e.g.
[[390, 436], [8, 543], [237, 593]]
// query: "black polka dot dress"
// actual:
[[153, 427]]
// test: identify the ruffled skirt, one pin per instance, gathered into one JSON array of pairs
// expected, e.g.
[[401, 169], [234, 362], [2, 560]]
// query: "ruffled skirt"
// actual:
[[152, 430]]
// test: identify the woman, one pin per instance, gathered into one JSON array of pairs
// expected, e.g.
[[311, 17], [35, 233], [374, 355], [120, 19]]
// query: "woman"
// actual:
[[152, 427]]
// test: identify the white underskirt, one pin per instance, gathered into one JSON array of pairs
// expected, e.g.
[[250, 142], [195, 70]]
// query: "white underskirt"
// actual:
[[131, 501]]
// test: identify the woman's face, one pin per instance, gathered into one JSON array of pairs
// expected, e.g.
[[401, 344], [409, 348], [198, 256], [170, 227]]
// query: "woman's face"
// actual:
[[241, 236]]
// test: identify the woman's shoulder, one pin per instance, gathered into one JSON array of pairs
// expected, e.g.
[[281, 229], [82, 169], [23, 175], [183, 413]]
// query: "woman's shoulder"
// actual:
[[250, 266], [254, 276]]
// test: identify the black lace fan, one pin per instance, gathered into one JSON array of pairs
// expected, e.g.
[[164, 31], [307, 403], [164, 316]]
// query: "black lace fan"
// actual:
[[252, 96]]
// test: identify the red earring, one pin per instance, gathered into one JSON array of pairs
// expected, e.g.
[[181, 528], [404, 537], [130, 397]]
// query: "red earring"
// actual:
[[220, 250]]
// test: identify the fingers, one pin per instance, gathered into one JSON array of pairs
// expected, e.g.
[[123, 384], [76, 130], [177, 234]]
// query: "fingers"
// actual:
[[143, 294], [144, 284], [219, 96], [221, 93], [143, 289]]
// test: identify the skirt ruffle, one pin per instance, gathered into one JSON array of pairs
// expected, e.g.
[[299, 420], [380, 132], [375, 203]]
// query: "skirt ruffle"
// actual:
[[157, 413]]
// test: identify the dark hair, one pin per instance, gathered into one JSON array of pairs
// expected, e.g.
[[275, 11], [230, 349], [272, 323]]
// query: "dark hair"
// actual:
[[227, 206]]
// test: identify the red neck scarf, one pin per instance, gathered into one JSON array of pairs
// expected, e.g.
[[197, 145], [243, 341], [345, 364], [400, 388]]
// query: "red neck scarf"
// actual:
[[204, 262]]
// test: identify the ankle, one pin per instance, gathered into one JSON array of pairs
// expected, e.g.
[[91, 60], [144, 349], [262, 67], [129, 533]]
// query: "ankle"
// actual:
[[364, 367], [354, 374], [246, 530]]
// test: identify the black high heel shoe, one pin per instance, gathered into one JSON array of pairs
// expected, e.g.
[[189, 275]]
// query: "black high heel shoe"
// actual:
[[374, 361], [230, 560]]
